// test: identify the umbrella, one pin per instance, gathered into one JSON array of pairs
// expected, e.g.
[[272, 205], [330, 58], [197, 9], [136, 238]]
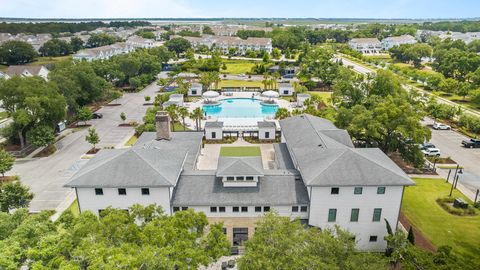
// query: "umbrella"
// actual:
[[270, 94], [210, 94]]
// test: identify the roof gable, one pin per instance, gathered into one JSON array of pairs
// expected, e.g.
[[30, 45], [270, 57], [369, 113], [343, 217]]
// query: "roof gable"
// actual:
[[228, 166]]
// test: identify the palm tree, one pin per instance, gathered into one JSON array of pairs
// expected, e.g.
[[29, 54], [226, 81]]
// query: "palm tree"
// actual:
[[197, 114], [183, 113], [172, 112], [266, 80], [282, 113], [275, 77], [216, 79]]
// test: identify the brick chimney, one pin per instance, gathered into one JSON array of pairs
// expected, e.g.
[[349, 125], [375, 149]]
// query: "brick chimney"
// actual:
[[162, 125]]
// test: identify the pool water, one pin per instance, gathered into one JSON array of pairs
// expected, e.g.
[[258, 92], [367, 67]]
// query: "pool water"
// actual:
[[240, 108]]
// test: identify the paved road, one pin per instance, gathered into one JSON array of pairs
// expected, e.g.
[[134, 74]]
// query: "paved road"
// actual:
[[449, 143], [46, 176]]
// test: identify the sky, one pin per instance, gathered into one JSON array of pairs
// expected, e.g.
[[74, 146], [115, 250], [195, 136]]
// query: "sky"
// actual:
[[240, 8]]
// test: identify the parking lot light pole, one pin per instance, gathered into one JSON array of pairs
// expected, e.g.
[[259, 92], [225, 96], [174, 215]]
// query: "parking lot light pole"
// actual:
[[448, 176], [476, 196]]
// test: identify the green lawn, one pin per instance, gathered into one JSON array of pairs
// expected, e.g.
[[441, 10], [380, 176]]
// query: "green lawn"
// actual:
[[3, 115], [239, 83], [240, 151], [131, 141], [439, 226], [50, 60], [238, 66], [325, 96]]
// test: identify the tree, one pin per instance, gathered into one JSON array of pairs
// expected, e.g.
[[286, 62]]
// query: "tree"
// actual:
[[317, 62], [14, 195], [183, 113], [276, 53], [76, 44], [173, 113], [41, 136], [147, 98], [6, 161], [98, 40], [92, 137], [449, 85], [55, 47], [84, 114], [411, 236], [215, 242], [123, 117], [280, 243], [282, 113], [178, 45], [14, 52], [207, 30], [197, 114]]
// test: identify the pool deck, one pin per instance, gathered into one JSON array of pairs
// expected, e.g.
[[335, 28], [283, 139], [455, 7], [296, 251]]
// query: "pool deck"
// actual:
[[235, 121]]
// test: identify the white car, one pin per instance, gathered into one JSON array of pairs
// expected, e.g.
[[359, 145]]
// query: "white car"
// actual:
[[431, 152], [440, 126]]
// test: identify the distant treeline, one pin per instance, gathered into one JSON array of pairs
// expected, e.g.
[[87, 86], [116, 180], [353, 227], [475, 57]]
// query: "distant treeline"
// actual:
[[56, 27], [458, 26]]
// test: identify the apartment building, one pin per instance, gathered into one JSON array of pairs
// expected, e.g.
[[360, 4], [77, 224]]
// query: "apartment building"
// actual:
[[366, 45]]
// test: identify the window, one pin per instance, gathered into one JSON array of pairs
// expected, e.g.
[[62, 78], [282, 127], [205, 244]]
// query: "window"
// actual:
[[221, 209], [285, 92], [354, 214], [249, 178], [335, 190], [267, 135], [214, 135], [240, 178], [99, 191], [294, 208], [303, 208], [332, 215], [184, 208], [373, 238], [258, 209], [266, 209], [176, 209], [230, 178], [224, 230], [235, 209], [244, 209], [381, 190], [145, 191], [194, 92], [213, 209], [377, 214], [358, 190], [122, 191]]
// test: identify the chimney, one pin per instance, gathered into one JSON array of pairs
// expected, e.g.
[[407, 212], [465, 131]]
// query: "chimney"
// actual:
[[162, 125]]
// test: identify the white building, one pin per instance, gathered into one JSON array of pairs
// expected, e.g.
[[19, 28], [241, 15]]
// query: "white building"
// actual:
[[213, 130], [27, 71], [366, 45], [285, 89], [104, 52], [320, 178], [267, 130], [195, 89], [143, 43], [390, 42], [225, 43]]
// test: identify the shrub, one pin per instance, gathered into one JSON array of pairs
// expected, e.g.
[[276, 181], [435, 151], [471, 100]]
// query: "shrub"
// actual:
[[447, 205]]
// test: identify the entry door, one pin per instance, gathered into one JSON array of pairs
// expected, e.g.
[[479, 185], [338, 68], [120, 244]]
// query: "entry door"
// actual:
[[239, 236]]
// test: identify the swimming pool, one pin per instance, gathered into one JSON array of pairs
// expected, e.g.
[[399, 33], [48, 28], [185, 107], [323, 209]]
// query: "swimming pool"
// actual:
[[240, 108]]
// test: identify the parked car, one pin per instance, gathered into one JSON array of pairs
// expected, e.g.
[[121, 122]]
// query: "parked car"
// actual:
[[97, 115], [431, 152], [472, 143], [440, 126], [427, 145]]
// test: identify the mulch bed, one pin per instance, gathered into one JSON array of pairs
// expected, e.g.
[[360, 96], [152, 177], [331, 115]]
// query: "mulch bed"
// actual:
[[113, 104], [47, 151], [147, 104], [446, 160], [5, 179], [93, 151], [408, 169], [126, 125], [420, 240]]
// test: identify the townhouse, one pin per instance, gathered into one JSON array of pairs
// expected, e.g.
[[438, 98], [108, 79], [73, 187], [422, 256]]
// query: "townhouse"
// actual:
[[366, 45], [225, 43], [27, 71], [390, 42], [103, 52]]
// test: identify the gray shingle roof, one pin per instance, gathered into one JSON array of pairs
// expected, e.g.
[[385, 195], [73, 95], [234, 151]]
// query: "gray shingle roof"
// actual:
[[348, 167], [149, 163], [266, 124], [250, 166], [325, 156], [213, 124], [204, 189]]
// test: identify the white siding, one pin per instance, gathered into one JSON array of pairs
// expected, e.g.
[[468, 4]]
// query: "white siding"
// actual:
[[89, 201], [209, 133], [262, 133], [322, 200]]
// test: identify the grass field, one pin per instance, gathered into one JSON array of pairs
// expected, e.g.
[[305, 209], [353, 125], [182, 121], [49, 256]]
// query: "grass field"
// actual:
[[238, 66], [439, 226], [50, 60], [239, 83], [240, 151], [325, 96]]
